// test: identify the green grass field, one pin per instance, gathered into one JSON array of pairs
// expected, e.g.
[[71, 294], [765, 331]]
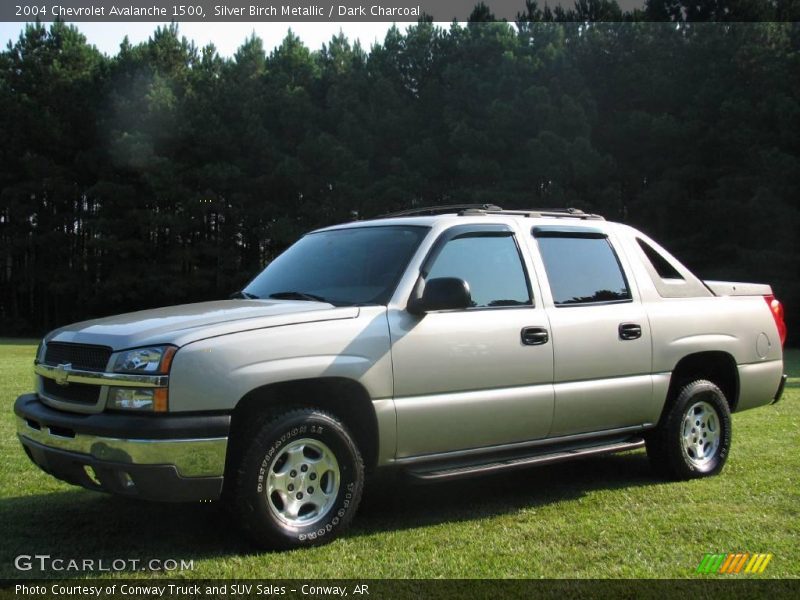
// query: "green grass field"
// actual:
[[598, 518]]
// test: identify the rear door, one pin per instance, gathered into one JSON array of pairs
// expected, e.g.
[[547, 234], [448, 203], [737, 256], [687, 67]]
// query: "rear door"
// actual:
[[600, 331]]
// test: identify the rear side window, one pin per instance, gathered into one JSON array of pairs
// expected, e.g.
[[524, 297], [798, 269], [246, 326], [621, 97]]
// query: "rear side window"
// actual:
[[582, 269], [491, 266]]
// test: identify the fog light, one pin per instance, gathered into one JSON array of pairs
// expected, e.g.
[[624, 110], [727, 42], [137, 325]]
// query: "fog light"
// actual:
[[152, 400]]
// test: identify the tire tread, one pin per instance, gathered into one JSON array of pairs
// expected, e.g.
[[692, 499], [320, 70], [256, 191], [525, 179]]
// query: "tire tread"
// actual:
[[258, 438], [662, 449]]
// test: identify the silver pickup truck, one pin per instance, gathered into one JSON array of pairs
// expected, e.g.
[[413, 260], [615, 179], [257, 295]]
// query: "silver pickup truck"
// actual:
[[442, 342]]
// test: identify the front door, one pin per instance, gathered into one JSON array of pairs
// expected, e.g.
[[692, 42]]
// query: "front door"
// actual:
[[473, 378]]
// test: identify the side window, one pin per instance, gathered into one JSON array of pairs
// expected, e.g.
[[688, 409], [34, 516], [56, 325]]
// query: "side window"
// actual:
[[490, 264], [582, 269], [664, 269]]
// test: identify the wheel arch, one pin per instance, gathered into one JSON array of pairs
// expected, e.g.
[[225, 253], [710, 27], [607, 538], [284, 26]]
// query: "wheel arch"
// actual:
[[716, 366], [345, 398]]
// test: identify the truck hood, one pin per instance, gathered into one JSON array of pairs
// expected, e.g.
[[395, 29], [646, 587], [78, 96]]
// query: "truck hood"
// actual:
[[187, 323]]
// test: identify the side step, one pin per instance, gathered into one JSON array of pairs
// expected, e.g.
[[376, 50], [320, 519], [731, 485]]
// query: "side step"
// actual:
[[458, 472]]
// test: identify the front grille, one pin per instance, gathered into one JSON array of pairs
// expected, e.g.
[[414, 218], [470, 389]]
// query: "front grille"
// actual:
[[81, 356], [80, 393]]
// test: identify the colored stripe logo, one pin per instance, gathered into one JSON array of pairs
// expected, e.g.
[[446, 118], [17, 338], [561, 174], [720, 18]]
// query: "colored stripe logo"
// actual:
[[733, 563]]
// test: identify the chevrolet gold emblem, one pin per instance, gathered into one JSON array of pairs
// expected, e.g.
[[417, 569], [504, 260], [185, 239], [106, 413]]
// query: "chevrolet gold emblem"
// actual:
[[61, 373]]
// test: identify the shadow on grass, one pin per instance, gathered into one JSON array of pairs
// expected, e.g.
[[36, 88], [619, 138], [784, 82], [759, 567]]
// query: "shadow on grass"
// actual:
[[81, 524], [403, 505]]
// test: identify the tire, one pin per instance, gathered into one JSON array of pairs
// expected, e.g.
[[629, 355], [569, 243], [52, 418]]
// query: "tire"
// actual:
[[694, 437], [299, 482]]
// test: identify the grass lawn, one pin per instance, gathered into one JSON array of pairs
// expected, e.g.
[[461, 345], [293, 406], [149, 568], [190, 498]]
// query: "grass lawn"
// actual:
[[597, 518]]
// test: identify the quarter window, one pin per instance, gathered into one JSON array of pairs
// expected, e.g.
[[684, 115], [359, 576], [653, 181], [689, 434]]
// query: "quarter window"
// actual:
[[661, 265], [491, 266], [582, 269]]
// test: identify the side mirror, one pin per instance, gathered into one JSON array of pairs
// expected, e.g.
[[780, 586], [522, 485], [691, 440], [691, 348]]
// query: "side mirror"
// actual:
[[442, 293]]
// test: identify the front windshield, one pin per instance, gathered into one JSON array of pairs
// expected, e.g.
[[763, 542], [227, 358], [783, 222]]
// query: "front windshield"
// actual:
[[360, 265]]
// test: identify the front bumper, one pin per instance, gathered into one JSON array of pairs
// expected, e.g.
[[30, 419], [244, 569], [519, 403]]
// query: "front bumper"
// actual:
[[176, 458]]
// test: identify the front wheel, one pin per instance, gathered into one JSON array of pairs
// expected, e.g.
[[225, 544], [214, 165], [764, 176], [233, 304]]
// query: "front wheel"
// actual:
[[300, 480], [694, 438]]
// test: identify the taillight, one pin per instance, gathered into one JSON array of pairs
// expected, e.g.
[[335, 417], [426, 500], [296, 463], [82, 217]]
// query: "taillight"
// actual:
[[776, 308]]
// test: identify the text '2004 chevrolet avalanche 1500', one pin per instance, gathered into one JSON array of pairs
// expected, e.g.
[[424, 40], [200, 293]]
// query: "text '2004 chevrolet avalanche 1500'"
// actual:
[[445, 343]]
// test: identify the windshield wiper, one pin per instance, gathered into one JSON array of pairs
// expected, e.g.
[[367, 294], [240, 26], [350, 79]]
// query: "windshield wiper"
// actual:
[[292, 295], [243, 294]]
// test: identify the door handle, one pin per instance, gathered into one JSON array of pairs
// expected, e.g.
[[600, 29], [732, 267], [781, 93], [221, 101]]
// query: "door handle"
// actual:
[[630, 331], [534, 336]]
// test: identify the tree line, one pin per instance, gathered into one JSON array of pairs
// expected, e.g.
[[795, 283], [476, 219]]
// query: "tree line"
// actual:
[[168, 173]]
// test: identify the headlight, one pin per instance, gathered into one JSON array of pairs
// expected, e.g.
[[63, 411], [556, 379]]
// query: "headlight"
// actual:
[[155, 360], [150, 400]]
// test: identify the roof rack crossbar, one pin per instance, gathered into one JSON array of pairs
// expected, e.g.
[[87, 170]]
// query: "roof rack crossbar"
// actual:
[[439, 210], [491, 209], [574, 213]]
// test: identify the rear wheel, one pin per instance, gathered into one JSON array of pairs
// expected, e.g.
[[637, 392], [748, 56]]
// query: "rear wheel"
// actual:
[[300, 480], [694, 438]]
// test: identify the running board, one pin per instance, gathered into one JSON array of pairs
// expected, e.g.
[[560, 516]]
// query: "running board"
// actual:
[[434, 474]]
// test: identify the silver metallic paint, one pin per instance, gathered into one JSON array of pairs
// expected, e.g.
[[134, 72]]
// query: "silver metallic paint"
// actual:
[[462, 380]]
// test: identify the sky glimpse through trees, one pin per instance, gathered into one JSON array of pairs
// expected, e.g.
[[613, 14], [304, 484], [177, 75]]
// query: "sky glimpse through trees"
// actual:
[[168, 174]]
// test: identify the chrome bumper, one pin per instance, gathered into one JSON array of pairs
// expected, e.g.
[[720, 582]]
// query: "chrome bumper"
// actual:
[[171, 457], [191, 457]]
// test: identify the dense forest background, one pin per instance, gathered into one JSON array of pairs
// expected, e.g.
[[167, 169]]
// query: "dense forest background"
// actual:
[[169, 174]]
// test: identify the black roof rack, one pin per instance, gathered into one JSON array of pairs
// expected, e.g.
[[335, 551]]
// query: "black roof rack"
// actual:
[[491, 209], [441, 210], [574, 213]]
